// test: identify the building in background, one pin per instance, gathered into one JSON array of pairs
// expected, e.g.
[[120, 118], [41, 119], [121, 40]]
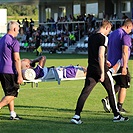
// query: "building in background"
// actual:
[[3, 21], [61, 8]]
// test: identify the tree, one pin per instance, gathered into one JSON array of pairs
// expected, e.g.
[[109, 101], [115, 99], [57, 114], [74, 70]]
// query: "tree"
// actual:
[[20, 10]]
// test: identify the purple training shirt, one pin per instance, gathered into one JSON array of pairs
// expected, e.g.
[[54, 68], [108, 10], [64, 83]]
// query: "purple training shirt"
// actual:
[[8, 45], [117, 39], [39, 72]]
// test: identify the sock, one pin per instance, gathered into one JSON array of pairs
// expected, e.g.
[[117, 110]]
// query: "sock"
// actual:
[[76, 116], [119, 105], [13, 114], [116, 117]]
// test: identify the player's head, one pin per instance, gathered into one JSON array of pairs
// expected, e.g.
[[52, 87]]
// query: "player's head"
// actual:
[[127, 25], [13, 28], [25, 64], [106, 26]]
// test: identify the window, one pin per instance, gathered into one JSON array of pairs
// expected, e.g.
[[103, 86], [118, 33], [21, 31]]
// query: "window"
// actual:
[[92, 9], [76, 10], [125, 6], [48, 13], [62, 11]]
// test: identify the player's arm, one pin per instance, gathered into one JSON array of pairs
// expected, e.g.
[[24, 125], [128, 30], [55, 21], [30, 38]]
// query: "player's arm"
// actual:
[[101, 61], [124, 59], [41, 61], [18, 66]]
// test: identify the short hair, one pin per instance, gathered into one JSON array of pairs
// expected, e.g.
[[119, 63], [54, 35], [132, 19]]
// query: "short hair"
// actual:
[[12, 24], [24, 63], [127, 22], [105, 23]]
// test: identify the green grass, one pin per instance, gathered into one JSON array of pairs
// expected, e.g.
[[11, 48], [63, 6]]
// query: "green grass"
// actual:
[[49, 108]]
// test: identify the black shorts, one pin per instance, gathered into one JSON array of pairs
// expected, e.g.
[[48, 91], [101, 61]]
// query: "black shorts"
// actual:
[[123, 80], [9, 84]]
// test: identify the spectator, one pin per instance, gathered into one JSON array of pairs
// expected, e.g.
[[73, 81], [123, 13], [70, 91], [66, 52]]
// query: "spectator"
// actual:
[[37, 41], [124, 16], [31, 25], [21, 36], [27, 24], [72, 39]]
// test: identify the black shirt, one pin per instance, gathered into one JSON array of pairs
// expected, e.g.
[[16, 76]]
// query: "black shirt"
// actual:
[[95, 41]]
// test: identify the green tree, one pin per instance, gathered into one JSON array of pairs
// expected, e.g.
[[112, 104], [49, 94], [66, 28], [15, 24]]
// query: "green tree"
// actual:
[[20, 10]]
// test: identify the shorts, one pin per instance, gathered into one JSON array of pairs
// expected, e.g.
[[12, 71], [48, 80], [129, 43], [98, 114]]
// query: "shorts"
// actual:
[[123, 80], [9, 84]]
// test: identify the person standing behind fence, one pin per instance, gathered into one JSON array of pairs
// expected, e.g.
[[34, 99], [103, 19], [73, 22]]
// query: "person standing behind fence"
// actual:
[[72, 39], [124, 16], [98, 71], [27, 24], [119, 48], [31, 26], [10, 68], [37, 42]]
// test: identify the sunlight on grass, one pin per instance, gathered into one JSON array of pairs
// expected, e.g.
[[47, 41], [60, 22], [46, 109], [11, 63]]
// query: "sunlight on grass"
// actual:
[[49, 108]]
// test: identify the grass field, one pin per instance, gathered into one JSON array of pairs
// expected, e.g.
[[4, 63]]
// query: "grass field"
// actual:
[[50, 107]]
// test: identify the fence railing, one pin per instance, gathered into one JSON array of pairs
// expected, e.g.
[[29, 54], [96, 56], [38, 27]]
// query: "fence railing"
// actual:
[[81, 27]]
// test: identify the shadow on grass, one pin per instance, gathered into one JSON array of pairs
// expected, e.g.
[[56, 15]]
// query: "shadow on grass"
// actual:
[[54, 56], [47, 124], [47, 110], [57, 120], [43, 108], [62, 110]]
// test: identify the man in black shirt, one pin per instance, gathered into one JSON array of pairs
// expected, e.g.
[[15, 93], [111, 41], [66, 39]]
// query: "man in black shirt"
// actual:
[[37, 42], [97, 71]]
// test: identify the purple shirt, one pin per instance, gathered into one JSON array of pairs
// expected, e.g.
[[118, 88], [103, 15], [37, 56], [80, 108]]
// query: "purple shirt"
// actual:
[[39, 72], [8, 45], [69, 72], [117, 39]]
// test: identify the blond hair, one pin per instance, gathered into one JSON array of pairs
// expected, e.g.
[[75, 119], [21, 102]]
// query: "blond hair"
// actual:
[[105, 23]]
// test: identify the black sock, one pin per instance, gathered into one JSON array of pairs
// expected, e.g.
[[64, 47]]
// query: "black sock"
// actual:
[[119, 105]]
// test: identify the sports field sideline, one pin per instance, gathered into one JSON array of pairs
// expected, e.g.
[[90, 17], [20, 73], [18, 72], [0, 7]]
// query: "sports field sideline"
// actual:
[[50, 107]]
